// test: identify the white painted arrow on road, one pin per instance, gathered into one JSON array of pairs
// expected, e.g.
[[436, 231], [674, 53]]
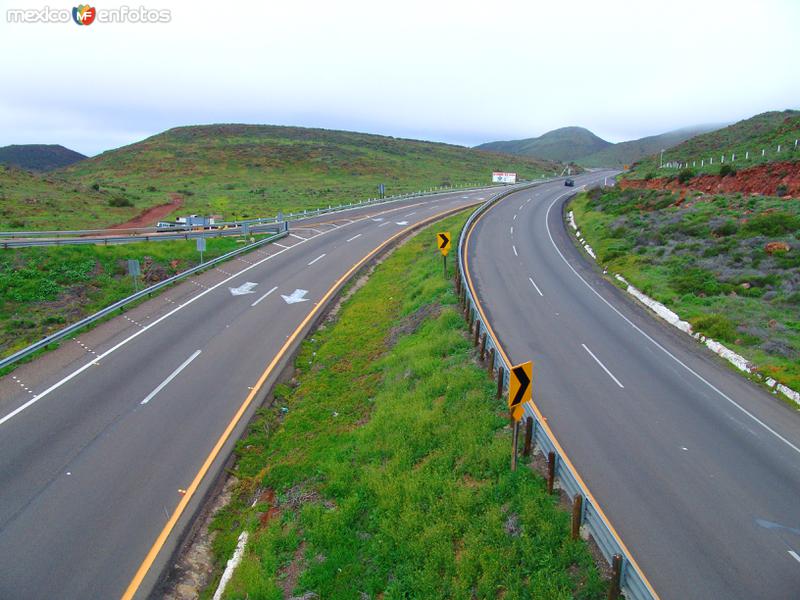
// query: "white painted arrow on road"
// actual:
[[245, 288], [295, 296]]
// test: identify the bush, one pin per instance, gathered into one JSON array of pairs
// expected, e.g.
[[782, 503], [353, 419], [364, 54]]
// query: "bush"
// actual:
[[727, 228], [726, 170], [649, 176], [95, 186], [781, 190], [119, 202], [151, 188], [772, 224], [715, 326], [685, 175], [695, 281]]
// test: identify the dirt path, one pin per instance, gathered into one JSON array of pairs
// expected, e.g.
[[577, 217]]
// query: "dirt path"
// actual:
[[152, 215]]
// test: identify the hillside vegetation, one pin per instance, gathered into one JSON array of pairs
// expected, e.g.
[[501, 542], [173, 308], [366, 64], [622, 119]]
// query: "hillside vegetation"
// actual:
[[240, 171], [29, 202], [566, 144], [728, 263], [765, 131], [626, 153], [384, 473], [38, 157]]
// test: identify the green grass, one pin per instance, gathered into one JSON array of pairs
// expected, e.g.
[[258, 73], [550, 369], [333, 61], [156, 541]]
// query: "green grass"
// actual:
[[241, 171], [764, 131], [389, 462], [706, 259], [44, 289]]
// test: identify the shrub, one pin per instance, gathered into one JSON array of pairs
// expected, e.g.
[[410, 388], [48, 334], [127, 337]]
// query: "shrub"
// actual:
[[685, 175], [726, 170], [119, 202], [151, 188], [715, 326], [649, 176], [772, 224], [781, 190], [95, 186], [695, 281], [727, 228]]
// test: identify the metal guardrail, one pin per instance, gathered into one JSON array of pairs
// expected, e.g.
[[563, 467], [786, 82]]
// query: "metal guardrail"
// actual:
[[632, 581], [69, 330], [223, 228]]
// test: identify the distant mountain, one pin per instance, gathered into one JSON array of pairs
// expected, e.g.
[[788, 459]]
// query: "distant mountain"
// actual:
[[744, 139], [38, 157], [626, 153], [566, 144]]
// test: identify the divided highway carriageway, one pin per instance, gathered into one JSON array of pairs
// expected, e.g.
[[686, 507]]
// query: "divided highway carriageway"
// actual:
[[108, 443]]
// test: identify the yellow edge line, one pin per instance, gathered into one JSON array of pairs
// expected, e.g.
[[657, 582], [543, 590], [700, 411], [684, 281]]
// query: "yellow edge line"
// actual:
[[150, 558], [543, 420]]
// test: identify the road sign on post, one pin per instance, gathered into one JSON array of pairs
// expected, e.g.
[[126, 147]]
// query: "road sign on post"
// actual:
[[443, 242], [201, 247], [520, 388]]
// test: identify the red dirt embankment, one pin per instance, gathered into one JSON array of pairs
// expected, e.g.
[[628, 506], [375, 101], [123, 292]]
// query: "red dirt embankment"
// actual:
[[761, 179], [152, 215]]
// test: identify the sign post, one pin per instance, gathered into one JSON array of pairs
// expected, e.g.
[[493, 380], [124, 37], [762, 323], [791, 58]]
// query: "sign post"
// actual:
[[201, 247], [381, 190], [134, 271], [443, 242], [520, 391]]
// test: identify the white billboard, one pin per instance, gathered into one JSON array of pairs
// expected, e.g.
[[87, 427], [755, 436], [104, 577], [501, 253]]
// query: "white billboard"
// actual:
[[498, 177]]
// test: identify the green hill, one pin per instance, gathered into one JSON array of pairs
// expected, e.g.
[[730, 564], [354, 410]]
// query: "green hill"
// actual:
[[242, 171], [626, 153], [38, 157], [566, 144], [29, 201], [765, 131]]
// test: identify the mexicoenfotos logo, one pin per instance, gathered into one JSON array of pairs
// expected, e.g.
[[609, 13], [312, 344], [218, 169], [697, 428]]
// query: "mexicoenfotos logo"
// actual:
[[84, 14]]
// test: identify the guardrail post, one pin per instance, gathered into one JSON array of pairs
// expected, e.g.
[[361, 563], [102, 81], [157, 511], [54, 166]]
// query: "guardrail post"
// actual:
[[490, 363], [616, 575], [526, 449], [477, 332], [483, 346], [551, 471], [577, 515], [501, 375], [514, 442]]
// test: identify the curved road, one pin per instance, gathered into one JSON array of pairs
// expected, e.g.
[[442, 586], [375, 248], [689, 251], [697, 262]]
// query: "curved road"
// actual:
[[697, 468], [111, 441]]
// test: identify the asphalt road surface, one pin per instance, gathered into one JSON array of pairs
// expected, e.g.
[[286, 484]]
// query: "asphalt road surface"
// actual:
[[697, 469], [100, 439]]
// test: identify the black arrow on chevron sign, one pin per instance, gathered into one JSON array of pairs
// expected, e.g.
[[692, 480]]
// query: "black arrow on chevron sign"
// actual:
[[445, 240], [524, 382]]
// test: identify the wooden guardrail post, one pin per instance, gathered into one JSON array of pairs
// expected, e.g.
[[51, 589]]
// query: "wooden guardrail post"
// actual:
[[526, 449], [551, 471], [500, 381], [514, 442], [577, 514], [490, 363], [615, 589], [483, 346], [477, 332]]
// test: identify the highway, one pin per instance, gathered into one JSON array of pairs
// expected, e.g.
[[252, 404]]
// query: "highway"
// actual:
[[108, 444], [697, 469]]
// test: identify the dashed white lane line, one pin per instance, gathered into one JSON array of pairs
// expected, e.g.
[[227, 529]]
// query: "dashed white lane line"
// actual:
[[84, 346], [515, 249], [794, 555], [533, 283], [354, 237], [515, 217], [411, 213], [297, 237], [22, 385], [700, 378], [597, 360], [384, 224], [172, 376], [320, 257], [511, 231], [264, 296]]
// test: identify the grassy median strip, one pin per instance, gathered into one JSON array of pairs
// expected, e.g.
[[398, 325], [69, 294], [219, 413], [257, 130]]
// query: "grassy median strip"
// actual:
[[383, 471]]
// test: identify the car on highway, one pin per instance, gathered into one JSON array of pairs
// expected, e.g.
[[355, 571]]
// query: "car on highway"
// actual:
[[569, 182]]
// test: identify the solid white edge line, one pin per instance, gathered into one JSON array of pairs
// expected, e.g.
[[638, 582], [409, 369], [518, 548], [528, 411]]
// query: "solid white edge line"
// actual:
[[536, 286], [280, 245], [264, 296], [655, 343], [794, 555], [515, 249], [354, 237], [321, 256], [97, 359], [597, 360], [172, 376]]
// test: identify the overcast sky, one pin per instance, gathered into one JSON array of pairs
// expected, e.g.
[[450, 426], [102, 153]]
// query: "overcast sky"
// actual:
[[464, 72]]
